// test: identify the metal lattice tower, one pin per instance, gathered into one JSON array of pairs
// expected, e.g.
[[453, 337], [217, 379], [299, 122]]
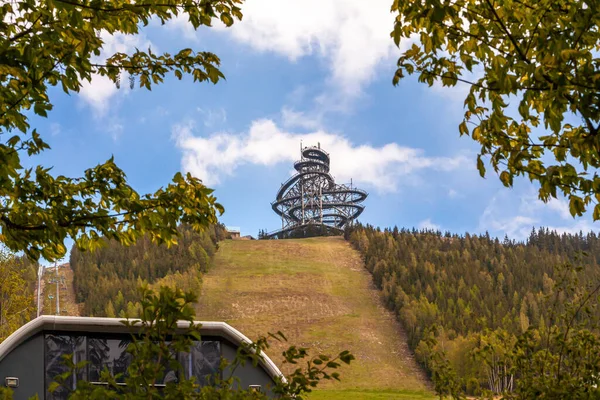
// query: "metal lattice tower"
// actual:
[[312, 198]]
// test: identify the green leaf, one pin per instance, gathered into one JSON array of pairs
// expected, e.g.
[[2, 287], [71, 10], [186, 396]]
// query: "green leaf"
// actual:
[[506, 178], [597, 212], [480, 166], [544, 59], [12, 142], [576, 206]]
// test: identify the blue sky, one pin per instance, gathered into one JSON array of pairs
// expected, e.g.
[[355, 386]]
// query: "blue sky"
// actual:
[[296, 74]]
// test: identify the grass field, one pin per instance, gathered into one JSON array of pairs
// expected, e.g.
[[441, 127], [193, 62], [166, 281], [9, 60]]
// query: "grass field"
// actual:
[[383, 394], [318, 293]]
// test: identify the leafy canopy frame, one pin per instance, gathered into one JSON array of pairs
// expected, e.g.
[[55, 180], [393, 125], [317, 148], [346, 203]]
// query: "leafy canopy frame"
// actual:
[[544, 54], [53, 42]]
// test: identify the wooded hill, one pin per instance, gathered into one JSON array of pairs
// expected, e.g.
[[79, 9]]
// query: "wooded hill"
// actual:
[[106, 280], [472, 291], [468, 297]]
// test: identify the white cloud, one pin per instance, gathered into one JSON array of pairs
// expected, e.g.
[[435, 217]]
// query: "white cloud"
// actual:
[[220, 154], [55, 129], [453, 194], [114, 128], [579, 225], [558, 206], [299, 119], [516, 227], [499, 217], [100, 92], [121, 43], [181, 23], [352, 35], [454, 94], [162, 111], [212, 117], [504, 216], [427, 224], [297, 95]]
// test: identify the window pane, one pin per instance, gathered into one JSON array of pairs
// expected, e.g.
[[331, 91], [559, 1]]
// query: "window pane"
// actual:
[[109, 353], [55, 347], [203, 363], [206, 357], [173, 374]]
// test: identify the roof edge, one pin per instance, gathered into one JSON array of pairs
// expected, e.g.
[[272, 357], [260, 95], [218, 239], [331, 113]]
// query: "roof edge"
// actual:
[[114, 325]]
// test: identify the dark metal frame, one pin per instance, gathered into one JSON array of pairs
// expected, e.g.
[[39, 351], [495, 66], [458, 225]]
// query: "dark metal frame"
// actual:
[[85, 371], [311, 198]]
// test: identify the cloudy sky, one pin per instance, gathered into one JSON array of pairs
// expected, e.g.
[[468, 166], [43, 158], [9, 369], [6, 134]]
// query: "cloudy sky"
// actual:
[[296, 70]]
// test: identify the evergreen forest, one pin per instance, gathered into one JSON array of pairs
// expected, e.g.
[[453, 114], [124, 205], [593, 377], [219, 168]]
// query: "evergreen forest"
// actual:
[[475, 296], [465, 301], [106, 281]]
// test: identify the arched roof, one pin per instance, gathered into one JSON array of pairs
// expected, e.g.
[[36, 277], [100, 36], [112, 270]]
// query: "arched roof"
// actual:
[[114, 325]]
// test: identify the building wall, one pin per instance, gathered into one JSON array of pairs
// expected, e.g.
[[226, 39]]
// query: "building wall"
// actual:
[[248, 374], [28, 362]]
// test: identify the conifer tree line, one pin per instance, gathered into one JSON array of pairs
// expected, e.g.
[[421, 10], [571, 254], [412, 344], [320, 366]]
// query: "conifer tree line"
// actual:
[[106, 280], [471, 297]]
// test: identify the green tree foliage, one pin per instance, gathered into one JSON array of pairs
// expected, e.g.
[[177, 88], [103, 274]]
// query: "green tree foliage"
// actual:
[[473, 298], [530, 64], [17, 286], [48, 43], [113, 272], [158, 339], [562, 360], [109, 310]]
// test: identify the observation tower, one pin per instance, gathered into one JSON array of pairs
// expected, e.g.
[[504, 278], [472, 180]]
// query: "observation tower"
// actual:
[[311, 201]]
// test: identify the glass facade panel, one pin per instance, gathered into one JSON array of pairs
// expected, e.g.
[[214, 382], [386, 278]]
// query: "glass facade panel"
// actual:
[[55, 347], [173, 374], [202, 361], [205, 360], [109, 353]]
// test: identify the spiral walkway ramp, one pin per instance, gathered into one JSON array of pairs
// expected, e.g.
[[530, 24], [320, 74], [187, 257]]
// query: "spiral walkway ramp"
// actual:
[[311, 198]]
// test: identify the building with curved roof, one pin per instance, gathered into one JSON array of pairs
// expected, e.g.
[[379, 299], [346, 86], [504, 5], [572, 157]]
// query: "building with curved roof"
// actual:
[[31, 357]]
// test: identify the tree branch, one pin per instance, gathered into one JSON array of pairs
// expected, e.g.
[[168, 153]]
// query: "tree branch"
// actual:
[[131, 67], [479, 38], [80, 222], [570, 324], [25, 32], [44, 75], [535, 29], [475, 83], [512, 40], [130, 8]]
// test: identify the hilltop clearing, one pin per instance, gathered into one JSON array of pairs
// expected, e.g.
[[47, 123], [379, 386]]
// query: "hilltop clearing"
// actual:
[[319, 294]]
